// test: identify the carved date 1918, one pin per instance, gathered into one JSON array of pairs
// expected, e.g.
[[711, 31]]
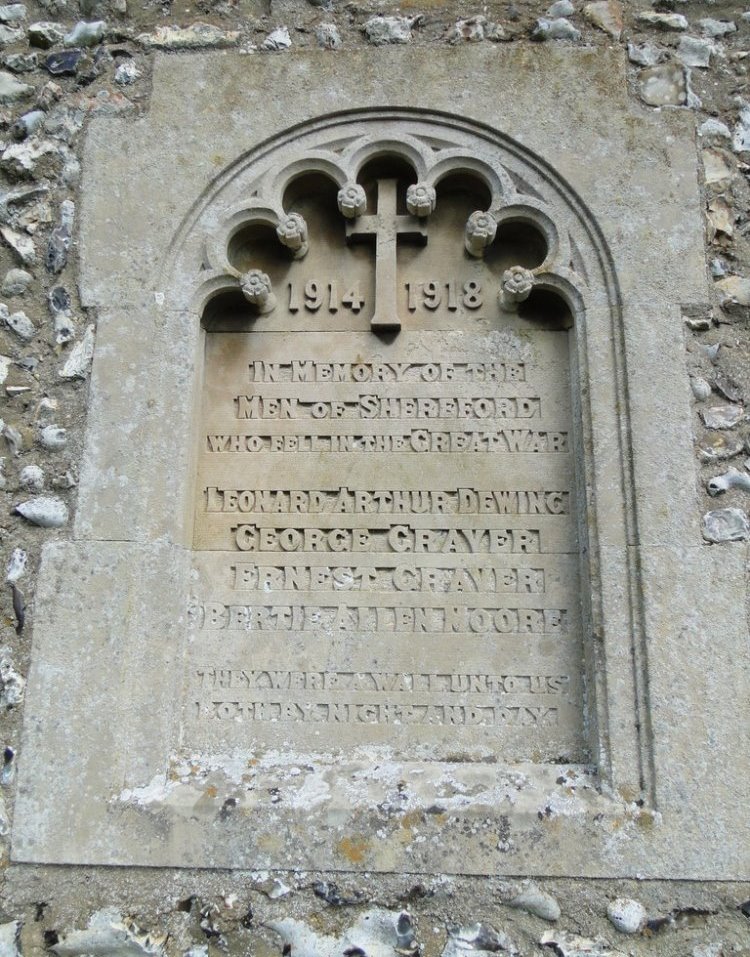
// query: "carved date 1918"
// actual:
[[432, 294]]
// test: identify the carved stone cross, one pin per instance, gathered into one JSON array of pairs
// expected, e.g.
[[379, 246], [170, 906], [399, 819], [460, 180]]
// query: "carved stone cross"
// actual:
[[386, 226]]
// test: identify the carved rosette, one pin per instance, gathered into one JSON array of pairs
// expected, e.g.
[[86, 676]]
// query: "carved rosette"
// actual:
[[516, 287], [481, 229], [292, 233], [352, 200], [256, 288], [421, 199]]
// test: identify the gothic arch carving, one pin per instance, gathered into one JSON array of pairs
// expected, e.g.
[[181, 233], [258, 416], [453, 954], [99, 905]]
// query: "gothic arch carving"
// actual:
[[575, 269]]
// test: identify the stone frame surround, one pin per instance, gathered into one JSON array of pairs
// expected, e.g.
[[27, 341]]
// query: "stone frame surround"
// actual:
[[663, 666]]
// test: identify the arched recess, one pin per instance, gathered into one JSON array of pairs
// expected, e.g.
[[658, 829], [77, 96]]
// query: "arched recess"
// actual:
[[554, 236]]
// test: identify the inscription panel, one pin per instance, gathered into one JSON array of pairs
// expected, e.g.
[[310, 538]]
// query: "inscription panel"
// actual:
[[385, 538]]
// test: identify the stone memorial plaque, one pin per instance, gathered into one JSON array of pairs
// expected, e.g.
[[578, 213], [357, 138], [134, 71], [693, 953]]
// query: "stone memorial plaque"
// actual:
[[386, 552], [386, 538]]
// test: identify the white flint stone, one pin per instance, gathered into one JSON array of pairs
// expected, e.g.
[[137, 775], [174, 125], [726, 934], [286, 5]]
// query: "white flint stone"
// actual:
[[45, 34], [716, 28], [375, 933], [719, 448], [722, 416], [662, 21], [477, 940], [12, 13], [5, 363], [714, 127], [32, 477], [557, 29], [627, 915], [85, 34], [9, 932], [571, 945], [278, 889], [561, 8], [726, 525], [741, 137], [65, 327], [15, 568], [197, 36], [535, 901], [18, 322], [718, 265], [472, 29], [645, 54], [21, 158], [12, 89], [21, 244], [79, 360], [108, 936], [53, 437], [8, 35], [127, 73], [12, 684], [30, 122], [701, 388], [328, 36], [278, 39], [693, 51], [732, 478], [45, 511], [381, 30]]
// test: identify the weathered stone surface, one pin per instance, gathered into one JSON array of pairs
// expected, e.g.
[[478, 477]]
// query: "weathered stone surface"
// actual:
[[627, 915], [156, 332], [12, 89], [108, 934], [664, 85], [718, 165], [381, 30], [741, 135], [695, 52], [726, 525], [197, 36], [556, 29], [734, 289], [607, 15], [716, 28], [328, 36], [662, 21], [45, 34], [278, 39]]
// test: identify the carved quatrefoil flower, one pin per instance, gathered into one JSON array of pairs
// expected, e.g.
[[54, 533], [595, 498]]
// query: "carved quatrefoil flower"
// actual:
[[517, 285], [421, 199], [292, 233], [256, 288], [352, 200], [480, 232]]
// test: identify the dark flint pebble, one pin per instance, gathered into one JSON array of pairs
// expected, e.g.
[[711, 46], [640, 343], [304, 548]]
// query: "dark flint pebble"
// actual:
[[62, 63]]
